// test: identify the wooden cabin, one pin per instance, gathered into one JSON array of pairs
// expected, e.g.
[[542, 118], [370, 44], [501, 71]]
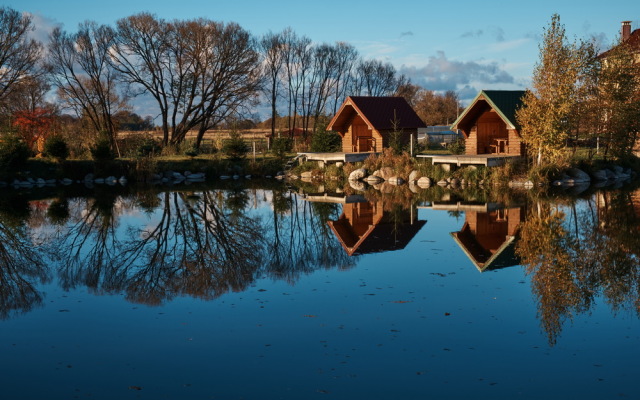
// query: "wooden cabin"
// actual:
[[365, 123], [489, 124], [488, 237], [366, 227]]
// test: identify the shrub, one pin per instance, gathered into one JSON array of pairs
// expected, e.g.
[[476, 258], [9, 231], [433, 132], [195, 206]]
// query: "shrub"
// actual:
[[401, 164], [13, 153], [282, 146], [235, 148], [457, 147], [326, 142], [56, 147], [101, 151], [192, 151], [148, 147]]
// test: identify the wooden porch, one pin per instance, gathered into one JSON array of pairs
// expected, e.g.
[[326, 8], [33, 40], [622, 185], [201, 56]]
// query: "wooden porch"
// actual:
[[327, 158], [463, 160]]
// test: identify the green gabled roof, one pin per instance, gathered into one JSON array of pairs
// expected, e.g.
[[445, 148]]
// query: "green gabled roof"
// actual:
[[505, 102]]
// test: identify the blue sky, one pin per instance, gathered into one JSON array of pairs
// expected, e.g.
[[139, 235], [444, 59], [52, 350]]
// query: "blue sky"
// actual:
[[458, 45]]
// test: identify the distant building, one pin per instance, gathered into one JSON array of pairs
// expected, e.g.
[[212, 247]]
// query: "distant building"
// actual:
[[439, 134]]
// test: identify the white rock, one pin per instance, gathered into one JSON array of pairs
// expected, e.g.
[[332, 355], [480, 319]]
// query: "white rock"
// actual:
[[195, 176], [424, 182], [357, 185], [395, 180], [373, 179], [357, 174]]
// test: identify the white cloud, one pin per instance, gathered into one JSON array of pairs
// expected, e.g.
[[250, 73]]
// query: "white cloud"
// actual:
[[507, 46], [464, 77], [43, 26]]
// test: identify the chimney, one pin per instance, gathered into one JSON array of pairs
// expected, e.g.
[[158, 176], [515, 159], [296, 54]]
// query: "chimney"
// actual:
[[626, 30]]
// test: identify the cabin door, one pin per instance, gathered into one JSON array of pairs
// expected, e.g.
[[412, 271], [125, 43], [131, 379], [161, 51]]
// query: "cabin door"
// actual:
[[487, 133], [362, 139]]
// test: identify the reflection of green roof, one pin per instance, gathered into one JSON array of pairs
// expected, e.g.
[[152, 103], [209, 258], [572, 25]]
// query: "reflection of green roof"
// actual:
[[504, 257], [504, 102]]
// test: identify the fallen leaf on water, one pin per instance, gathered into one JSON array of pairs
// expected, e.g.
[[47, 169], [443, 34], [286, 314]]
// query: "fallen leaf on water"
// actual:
[[310, 316], [402, 301]]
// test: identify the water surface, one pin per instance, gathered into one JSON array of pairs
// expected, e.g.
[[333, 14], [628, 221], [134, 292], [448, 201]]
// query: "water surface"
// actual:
[[242, 293]]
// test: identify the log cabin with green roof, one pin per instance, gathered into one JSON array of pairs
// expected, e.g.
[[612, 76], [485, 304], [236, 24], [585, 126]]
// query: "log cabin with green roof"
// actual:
[[489, 124]]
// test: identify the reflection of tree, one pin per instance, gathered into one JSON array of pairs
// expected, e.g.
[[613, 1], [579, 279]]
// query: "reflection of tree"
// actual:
[[199, 247], [21, 266], [195, 245], [301, 240], [90, 242], [575, 256]]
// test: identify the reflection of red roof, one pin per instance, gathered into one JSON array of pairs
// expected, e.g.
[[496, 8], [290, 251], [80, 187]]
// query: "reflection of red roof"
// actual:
[[375, 232], [378, 112]]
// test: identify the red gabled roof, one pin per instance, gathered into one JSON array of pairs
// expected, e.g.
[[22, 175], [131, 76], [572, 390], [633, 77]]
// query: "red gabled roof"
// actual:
[[378, 112], [633, 41]]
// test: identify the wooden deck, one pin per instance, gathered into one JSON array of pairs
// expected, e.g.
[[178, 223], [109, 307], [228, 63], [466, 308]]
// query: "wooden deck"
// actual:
[[487, 160], [335, 157]]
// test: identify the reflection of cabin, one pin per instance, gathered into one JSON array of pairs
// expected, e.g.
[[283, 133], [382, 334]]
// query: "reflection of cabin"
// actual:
[[488, 238], [489, 123], [366, 228], [366, 123]]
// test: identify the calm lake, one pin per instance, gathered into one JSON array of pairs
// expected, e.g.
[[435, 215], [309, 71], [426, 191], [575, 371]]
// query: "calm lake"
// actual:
[[254, 291]]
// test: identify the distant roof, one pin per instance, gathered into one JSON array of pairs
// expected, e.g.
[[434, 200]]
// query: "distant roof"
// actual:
[[504, 102], [633, 41], [379, 112]]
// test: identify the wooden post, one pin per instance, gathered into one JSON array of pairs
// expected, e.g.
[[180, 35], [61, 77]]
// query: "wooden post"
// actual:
[[411, 145]]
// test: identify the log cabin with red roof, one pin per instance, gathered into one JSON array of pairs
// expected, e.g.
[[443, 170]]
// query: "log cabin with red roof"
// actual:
[[366, 123]]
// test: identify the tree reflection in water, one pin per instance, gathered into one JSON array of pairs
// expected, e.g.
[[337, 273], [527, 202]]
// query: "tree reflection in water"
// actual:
[[574, 255], [21, 265], [201, 244], [155, 246], [300, 240], [195, 245]]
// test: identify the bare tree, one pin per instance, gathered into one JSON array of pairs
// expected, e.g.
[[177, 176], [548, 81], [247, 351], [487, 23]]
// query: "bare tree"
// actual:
[[141, 54], [375, 78], [199, 71], [19, 55], [272, 46], [296, 59], [346, 57], [85, 80]]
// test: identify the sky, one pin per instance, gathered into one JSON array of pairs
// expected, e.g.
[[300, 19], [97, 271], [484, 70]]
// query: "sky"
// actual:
[[460, 45]]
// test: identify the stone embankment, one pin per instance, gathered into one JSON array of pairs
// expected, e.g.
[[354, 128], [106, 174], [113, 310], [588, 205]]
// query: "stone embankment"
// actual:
[[168, 177], [573, 178]]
